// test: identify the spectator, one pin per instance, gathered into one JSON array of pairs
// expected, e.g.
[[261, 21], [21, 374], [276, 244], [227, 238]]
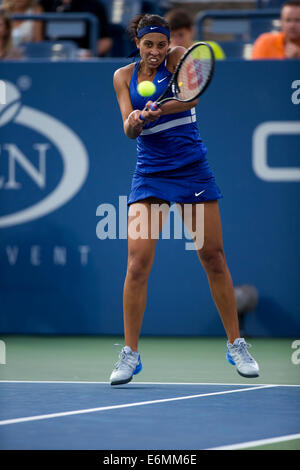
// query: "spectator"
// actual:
[[7, 49], [285, 44], [88, 6], [24, 30], [183, 31]]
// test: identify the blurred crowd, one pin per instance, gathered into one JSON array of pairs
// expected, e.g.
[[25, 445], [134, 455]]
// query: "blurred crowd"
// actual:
[[16, 34]]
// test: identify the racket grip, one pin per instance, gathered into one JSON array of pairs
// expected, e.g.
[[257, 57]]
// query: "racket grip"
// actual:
[[153, 107], [142, 117]]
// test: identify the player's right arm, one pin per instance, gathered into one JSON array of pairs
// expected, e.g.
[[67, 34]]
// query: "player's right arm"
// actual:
[[132, 123]]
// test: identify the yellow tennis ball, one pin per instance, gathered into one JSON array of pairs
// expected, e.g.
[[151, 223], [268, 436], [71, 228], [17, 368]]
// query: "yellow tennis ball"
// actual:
[[146, 88]]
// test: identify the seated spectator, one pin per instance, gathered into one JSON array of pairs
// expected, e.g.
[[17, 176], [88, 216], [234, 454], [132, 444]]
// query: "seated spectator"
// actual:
[[24, 30], [7, 49], [88, 6], [183, 32], [285, 44]]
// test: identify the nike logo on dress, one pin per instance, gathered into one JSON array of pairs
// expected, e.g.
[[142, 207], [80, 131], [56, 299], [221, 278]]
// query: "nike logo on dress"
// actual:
[[158, 81], [198, 194]]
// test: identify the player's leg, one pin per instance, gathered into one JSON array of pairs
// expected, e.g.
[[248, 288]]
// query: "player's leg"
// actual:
[[146, 218], [145, 223], [213, 260]]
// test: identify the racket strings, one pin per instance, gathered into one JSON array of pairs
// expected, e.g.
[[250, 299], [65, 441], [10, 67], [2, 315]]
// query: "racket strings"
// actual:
[[194, 72]]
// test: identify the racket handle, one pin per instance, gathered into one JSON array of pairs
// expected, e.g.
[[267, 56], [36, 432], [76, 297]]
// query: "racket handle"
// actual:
[[153, 107]]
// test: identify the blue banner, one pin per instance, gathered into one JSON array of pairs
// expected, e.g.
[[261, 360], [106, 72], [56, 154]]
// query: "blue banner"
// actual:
[[65, 174]]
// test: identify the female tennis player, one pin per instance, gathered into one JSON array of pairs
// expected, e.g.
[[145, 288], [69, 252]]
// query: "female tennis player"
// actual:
[[171, 166]]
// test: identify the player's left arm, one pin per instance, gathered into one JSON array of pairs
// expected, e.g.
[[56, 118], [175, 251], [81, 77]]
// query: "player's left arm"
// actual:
[[173, 106]]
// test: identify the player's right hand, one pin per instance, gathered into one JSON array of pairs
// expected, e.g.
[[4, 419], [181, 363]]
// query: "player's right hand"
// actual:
[[150, 115], [134, 120]]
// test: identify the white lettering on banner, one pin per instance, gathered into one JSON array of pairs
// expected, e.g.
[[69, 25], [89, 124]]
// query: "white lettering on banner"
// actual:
[[260, 151], [75, 163], [138, 227], [106, 228], [2, 92], [16, 156], [84, 250], [35, 255], [58, 255], [175, 209], [296, 95], [123, 221], [12, 254], [159, 215], [296, 354]]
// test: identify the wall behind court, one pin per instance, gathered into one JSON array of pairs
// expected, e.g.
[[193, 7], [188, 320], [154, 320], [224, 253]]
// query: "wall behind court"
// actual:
[[63, 153]]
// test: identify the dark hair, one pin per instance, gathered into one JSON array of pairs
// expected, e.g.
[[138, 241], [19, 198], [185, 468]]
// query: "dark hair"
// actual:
[[179, 18], [291, 3], [141, 21]]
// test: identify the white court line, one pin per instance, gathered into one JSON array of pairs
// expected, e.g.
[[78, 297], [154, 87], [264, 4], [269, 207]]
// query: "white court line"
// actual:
[[142, 383], [127, 405], [260, 442]]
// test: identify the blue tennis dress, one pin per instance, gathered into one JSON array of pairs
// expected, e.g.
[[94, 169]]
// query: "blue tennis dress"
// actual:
[[171, 157]]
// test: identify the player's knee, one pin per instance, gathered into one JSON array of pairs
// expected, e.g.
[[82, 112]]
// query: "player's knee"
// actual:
[[138, 268], [213, 260]]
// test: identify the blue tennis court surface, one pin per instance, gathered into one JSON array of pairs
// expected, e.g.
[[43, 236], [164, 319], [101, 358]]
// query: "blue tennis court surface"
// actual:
[[83, 415]]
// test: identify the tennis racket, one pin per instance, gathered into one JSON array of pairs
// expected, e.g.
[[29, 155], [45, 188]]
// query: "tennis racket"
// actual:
[[192, 76]]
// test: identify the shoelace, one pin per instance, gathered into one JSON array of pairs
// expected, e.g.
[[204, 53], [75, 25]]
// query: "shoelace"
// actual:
[[121, 356], [242, 349], [124, 360]]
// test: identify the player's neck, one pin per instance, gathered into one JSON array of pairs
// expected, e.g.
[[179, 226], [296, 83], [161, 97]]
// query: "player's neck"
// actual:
[[148, 72]]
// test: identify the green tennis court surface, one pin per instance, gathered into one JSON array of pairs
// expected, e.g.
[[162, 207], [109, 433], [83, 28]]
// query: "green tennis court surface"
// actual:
[[294, 444], [164, 359], [168, 360]]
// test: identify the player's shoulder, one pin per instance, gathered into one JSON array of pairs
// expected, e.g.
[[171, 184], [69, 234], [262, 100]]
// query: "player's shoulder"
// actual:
[[123, 75], [125, 71], [174, 55], [176, 52]]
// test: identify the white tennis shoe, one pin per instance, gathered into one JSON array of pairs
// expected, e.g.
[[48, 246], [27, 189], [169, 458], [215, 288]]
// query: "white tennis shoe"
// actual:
[[238, 355], [129, 364]]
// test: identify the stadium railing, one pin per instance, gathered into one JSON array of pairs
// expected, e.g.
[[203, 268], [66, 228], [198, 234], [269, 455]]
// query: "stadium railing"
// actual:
[[269, 3], [122, 11], [52, 50], [71, 25], [236, 30]]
